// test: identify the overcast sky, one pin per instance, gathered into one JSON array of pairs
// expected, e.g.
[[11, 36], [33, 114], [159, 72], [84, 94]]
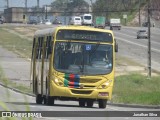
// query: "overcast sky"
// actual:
[[21, 3]]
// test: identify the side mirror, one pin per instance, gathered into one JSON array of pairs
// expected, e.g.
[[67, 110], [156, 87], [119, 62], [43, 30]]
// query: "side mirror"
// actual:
[[116, 46]]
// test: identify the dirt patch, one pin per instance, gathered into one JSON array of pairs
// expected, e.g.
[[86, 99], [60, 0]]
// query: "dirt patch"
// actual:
[[26, 31], [127, 69]]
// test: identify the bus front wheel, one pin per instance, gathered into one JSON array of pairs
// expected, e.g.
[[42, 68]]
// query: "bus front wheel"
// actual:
[[82, 103], [90, 103], [102, 103]]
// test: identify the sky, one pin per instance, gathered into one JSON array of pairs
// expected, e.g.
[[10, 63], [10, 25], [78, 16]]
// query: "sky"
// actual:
[[21, 3]]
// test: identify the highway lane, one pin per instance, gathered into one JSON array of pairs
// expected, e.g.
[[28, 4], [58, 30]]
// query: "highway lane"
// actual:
[[137, 49], [20, 102]]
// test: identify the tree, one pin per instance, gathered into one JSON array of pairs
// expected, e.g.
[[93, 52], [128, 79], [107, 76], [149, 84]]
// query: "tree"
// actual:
[[69, 7], [113, 7]]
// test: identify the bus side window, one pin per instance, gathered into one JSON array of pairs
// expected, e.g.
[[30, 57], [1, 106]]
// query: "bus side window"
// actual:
[[48, 46], [39, 48], [33, 47]]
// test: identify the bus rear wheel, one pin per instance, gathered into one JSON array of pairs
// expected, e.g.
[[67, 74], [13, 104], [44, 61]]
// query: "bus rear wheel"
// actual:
[[49, 100], [102, 103], [39, 99]]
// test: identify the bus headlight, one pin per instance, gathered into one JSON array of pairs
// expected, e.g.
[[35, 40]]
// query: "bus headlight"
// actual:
[[105, 85], [58, 82]]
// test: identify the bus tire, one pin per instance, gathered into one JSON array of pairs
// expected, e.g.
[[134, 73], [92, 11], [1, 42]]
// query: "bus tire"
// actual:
[[44, 100], [90, 103], [82, 103], [39, 99], [102, 103], [49, 100]]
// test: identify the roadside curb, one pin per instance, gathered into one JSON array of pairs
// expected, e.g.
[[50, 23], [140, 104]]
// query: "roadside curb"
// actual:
[[135, 105], [16, 90], [112, 104]]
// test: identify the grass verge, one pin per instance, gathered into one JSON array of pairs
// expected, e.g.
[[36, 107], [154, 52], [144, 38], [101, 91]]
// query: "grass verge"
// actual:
[[14, 43], [12, 84], [18, 45], [137, 89], [3, 105]]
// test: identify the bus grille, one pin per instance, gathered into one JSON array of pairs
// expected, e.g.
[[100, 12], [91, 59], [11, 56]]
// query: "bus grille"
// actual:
[[81, 92], [89, 81]]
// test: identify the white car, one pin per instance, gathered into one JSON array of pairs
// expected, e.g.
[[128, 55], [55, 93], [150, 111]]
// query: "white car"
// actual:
[[75, 20], [47, 22], [142, 34]]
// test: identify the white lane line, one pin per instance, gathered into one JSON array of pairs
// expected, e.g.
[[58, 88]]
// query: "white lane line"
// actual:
[[52, 118], [33, 106], [112, 108], [144, 46]]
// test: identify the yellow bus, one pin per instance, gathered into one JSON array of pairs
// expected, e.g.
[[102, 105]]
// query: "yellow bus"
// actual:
[[73, 63]]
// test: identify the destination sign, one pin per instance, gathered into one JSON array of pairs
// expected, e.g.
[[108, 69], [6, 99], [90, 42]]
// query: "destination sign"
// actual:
[[84, 35]]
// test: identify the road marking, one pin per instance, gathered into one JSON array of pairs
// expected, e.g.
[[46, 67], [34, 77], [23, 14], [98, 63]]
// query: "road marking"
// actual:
[[33, 106], [52, 118], [153, 49], [112, 108]]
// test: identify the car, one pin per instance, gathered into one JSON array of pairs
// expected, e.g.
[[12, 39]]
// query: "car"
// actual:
[[56, 22], [146, 24], [47, 22], [142, 34], [33, 22], [1, 21], [75, 20]]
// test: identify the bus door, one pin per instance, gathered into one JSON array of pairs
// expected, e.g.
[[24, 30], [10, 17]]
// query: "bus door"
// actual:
[[47, 50], [32, 70], [39, 56]]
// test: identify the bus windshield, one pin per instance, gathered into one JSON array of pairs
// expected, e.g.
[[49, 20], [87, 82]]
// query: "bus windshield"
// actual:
[[83, 58], [87, 17], [84, 35]]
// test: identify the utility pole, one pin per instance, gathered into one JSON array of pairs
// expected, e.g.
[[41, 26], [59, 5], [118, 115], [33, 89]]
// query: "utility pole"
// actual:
[[38, 18], [38, 4], [149, 41], [26, 4], [91, 7], [139, 13], [65, 19], [46, 12], [7, 3]]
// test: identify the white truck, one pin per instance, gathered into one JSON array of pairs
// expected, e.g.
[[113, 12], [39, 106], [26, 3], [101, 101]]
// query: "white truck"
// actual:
[[115, 23]]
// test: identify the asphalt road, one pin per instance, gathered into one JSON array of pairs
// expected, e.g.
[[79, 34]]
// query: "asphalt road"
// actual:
[[17, 69], [20, 102], [137, 49]]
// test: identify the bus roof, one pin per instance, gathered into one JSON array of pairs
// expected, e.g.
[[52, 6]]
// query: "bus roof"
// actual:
[[42, 32], [50, 31]]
